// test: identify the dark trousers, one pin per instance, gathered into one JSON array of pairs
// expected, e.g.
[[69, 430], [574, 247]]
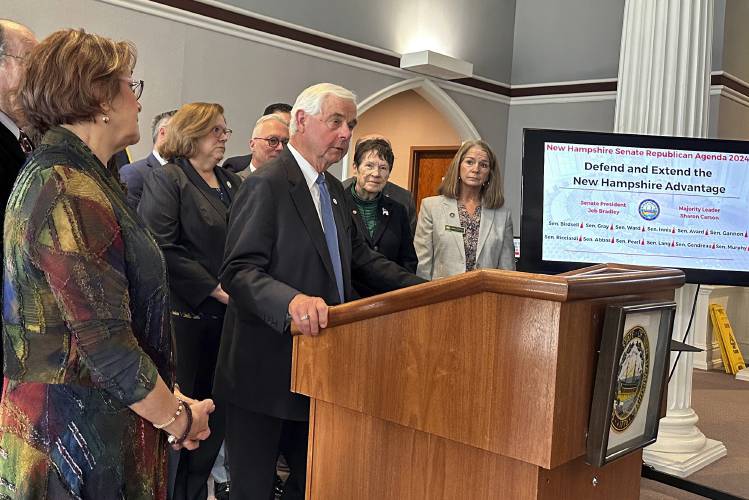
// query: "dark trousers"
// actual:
[[197, 349], [253, 442]]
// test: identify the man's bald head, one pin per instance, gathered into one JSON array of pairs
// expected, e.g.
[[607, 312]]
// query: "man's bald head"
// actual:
[[16, 41]]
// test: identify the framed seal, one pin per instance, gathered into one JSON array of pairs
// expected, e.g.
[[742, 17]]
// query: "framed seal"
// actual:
[[630, 379]]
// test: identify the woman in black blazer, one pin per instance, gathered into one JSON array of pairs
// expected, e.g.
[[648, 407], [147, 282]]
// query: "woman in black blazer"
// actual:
[[185, 205], [383, 221]]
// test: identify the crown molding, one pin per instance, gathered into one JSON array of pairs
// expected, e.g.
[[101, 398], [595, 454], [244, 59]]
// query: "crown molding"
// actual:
[[237, 22], [160, 9]]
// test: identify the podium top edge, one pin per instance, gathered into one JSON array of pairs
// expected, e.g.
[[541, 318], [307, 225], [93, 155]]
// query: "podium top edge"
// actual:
[[603, 280]]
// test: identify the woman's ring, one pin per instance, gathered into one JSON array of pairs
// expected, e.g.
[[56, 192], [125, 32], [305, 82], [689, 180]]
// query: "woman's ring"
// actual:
[[304, 317]]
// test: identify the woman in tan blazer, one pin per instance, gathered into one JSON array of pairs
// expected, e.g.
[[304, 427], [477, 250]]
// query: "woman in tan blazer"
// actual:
[[465, 227]]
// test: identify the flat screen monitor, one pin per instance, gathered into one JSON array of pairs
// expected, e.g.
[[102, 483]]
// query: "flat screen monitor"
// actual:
[[592, 198]]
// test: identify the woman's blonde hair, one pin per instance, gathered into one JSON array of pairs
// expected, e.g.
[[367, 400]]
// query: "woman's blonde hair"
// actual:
[[189, 124], [491, 192], [70, 74]]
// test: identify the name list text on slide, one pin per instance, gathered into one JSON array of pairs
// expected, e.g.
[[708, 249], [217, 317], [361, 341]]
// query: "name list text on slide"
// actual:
[[655, 207]]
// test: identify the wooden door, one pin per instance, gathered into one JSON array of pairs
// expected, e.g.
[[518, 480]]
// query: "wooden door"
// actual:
[[428, 167]]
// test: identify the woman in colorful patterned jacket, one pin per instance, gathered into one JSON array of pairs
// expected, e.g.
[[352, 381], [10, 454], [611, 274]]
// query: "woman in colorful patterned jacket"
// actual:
[[88, 404]]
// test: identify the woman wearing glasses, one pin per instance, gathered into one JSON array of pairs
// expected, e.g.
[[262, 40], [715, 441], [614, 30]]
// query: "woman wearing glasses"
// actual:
[[88, 343], [185, 205]]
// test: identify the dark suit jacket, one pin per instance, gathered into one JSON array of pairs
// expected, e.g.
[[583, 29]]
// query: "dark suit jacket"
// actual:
[[189, 224], [275, 249], [12, 159], [392, 236], [237, 163], [133, 174], [397, 193]]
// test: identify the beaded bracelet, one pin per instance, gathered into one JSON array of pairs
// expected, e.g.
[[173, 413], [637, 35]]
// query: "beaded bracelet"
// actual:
[[180, 409], [174, 440]]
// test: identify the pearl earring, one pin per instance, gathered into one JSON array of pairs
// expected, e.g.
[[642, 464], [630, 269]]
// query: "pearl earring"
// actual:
[[105, 119]]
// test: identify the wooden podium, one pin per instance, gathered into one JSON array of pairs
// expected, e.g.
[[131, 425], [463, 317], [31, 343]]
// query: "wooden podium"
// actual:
[[472, 387]]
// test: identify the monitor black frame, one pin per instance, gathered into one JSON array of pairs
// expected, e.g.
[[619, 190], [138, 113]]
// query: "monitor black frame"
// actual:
[[532, 202]]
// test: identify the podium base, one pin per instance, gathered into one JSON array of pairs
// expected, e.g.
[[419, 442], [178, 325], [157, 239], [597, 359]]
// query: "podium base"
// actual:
[[685, 464]]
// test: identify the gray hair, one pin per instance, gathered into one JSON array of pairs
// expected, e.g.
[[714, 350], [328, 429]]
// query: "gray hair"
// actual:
[[2, 41], [158, 122], [267, 118], [311, 98]]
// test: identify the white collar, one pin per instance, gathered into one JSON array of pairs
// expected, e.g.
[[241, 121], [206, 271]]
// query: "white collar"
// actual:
[[158, 157], [10, 125], [252, 167], [310, 174]]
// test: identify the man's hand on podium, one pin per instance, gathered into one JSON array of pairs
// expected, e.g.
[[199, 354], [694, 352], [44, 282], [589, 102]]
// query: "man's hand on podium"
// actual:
[[309, 314]]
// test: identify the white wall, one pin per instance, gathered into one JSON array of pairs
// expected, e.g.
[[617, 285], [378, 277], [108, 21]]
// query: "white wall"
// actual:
[[566, 40], [478, 31], [736, 41], [733, 119]]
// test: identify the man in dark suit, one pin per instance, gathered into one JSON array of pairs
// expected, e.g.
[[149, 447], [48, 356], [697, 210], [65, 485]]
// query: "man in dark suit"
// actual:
[[392, 191], [237, 164], [292, 249], [134, 173], [16, 41], [269, 137]]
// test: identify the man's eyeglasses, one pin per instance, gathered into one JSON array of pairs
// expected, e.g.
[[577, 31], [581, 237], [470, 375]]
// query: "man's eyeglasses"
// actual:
[[272, 141], [20, 58], [219, 132], [135, 85]]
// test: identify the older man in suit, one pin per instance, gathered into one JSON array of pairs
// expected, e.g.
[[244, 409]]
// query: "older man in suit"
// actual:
[[291, 250], [16, 41], [134, 173]]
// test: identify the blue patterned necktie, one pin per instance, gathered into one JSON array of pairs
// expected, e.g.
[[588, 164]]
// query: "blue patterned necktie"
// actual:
[[331, 233]]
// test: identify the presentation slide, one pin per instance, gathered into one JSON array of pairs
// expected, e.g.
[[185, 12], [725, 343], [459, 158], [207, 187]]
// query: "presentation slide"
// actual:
[[658, 207]]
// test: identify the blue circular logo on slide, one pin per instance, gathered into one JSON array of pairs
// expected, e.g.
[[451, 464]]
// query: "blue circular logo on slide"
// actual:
[[649, 209]]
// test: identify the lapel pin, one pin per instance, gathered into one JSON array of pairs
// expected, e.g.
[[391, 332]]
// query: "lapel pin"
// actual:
[[353, 212], [228, 184], [452, 214], [385, 211], [335, 202]]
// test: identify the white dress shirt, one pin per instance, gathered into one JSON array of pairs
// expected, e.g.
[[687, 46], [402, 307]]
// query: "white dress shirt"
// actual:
[[158, 157], [310, 175], [10, 125]]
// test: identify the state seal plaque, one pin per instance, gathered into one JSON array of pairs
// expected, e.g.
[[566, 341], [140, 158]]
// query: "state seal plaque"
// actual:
[[632, 378]]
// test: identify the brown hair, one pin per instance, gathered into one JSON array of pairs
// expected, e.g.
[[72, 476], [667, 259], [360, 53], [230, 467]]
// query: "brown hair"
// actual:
[[189, 124], [70, 74], [491, 192]]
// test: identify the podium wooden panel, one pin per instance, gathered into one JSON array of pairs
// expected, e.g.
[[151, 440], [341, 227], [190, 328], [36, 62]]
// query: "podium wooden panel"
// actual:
[[474, 386]]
